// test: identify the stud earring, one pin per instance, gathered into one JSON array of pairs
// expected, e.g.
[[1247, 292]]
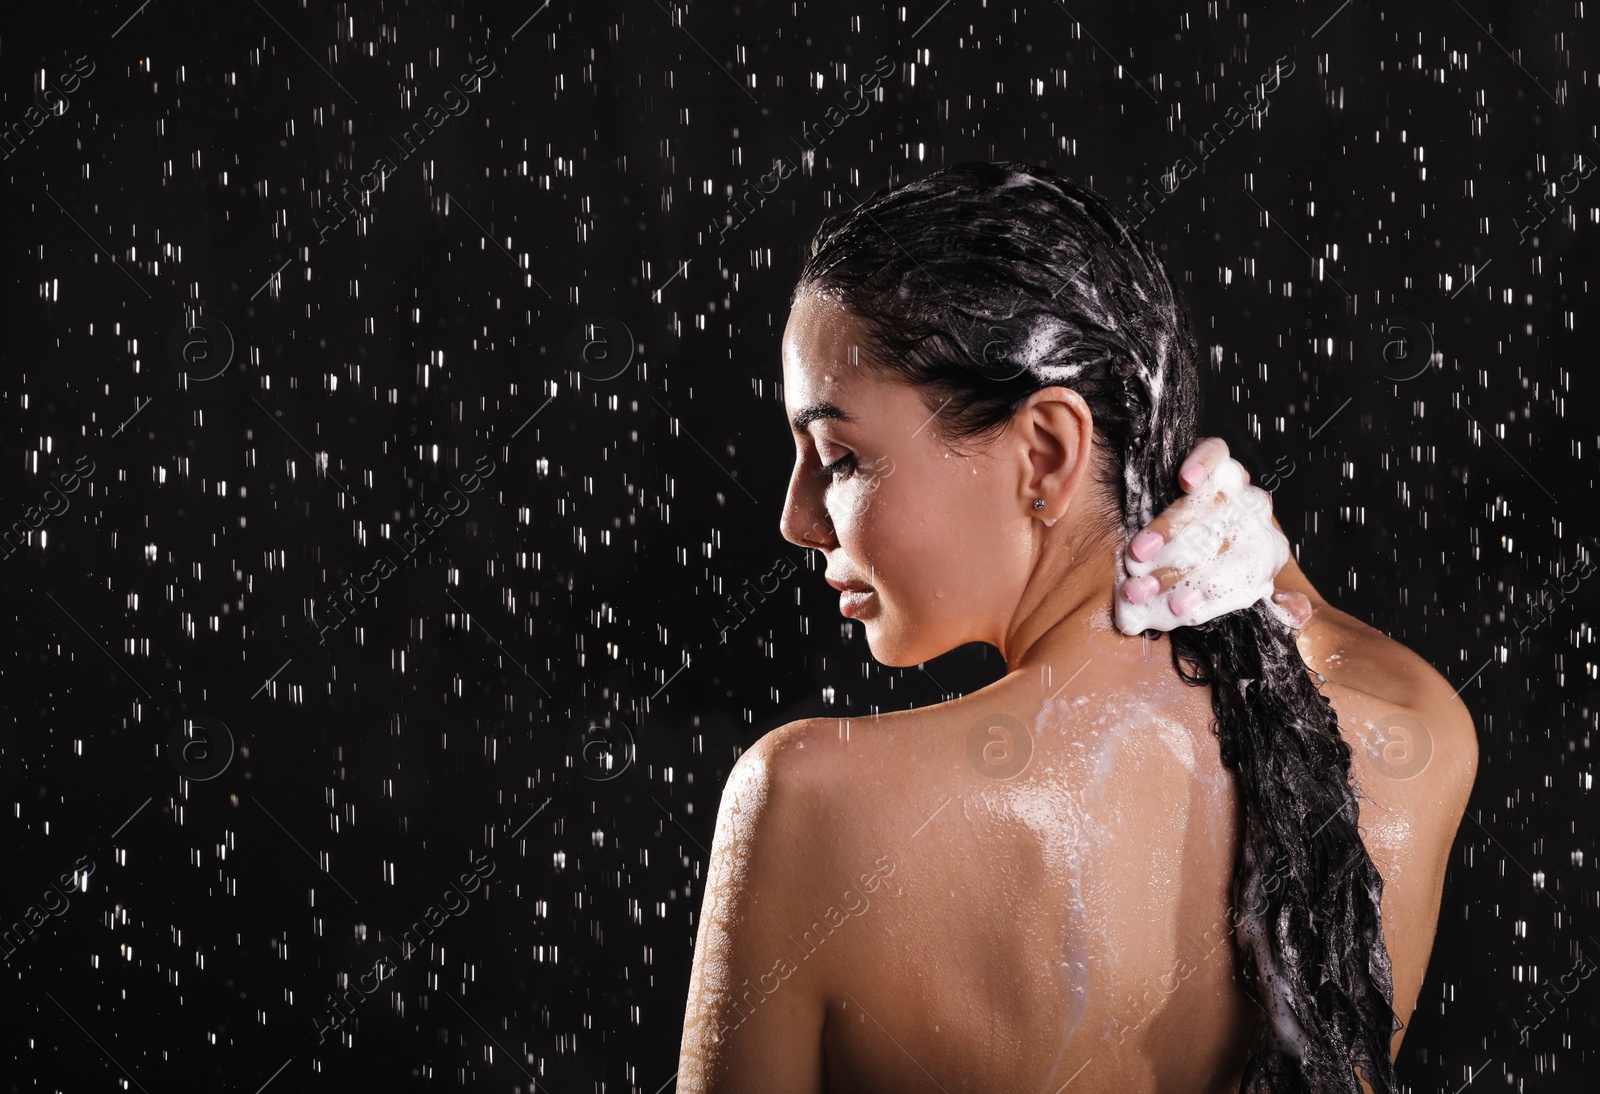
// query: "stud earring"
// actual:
[[1038, 505]]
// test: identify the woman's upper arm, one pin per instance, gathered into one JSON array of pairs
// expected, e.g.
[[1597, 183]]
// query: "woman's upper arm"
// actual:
[[754, 1016], [1442, 789], [1415, 757]]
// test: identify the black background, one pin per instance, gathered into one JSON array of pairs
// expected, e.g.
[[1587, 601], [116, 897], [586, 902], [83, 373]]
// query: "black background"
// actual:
[[1385, 189]]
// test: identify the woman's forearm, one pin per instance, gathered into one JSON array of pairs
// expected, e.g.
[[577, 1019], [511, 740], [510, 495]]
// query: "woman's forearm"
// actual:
[[1292, 579], [1340, 648]]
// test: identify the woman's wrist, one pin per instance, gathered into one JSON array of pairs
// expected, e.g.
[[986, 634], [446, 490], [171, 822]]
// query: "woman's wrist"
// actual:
[[1292, 579]]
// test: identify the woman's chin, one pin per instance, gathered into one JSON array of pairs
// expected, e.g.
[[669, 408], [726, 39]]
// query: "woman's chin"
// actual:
[[878, 644], [893, 662], [888, 651], [887, 641]]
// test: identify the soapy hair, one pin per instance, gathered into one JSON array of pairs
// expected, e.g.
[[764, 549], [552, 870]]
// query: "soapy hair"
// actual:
[[986, 282]]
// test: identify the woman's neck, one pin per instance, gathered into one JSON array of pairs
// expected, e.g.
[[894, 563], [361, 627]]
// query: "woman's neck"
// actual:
[[1059, 614]]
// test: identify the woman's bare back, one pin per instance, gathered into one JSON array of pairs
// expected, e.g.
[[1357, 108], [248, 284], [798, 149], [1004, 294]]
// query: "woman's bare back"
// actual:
[[970, 926]]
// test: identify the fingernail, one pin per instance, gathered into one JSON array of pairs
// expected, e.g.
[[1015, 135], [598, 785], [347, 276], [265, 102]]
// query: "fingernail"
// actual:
[[1145, 544], [1191, 474], [1182, 602], [1139, 589]]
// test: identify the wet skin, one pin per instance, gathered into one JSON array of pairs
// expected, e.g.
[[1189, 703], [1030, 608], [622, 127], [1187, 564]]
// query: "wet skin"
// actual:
[[891, 905]]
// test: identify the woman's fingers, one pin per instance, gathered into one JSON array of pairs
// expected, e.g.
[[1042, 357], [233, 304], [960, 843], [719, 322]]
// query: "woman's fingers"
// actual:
[[1149, 541], [1201, 461], [1142, 590], [1256, 500], [1293, 608], [1196, 468], [1213, 550], [1139, 590]]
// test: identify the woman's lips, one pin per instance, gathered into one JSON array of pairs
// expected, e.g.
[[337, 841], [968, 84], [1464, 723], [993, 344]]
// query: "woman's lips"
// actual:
[[852, 601]]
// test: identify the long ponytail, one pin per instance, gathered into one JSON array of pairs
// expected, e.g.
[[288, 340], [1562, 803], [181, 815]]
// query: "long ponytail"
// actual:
[[985, 282], [1311, 942]]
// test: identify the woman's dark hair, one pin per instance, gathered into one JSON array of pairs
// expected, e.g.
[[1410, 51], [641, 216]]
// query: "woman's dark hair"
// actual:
[[986, 282]]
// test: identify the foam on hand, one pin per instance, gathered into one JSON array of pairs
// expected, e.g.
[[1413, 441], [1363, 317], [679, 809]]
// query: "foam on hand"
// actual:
[[1235, 579]]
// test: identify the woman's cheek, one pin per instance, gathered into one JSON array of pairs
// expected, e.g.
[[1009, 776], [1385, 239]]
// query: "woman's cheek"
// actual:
[[843, 516], [874, 530], [851, 505]]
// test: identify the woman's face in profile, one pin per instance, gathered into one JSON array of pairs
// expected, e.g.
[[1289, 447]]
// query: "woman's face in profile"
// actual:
[[942, 539]]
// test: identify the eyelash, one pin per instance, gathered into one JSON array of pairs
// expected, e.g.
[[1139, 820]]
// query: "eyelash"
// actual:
[[847, 461]]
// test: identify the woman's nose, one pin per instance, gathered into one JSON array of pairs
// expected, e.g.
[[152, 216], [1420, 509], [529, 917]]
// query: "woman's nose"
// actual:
[[803, 529], [805, 522]]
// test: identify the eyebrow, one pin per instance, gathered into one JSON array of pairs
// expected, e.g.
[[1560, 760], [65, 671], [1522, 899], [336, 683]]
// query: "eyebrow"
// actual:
[[819, 410]]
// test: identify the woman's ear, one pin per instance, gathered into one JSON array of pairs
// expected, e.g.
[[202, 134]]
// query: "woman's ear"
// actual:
[[1055, 440]]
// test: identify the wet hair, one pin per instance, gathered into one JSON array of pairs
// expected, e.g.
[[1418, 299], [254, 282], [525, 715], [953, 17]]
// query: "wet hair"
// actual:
[[986, 282]]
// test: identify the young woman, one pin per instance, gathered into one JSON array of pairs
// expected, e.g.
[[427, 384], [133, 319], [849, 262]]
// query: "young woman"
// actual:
[[1185, 858]]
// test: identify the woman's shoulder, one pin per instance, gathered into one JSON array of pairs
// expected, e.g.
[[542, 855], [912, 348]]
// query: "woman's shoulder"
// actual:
[[856, 779], [806, 809], [1416, 736], [787, 818], [823, 760], [799, 773]]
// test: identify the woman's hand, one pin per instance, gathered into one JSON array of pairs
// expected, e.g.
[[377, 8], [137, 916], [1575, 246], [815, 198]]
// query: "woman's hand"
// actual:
[[1211, 552]]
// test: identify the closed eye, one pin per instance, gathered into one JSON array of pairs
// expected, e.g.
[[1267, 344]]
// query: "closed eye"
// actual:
[[845, 463]]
